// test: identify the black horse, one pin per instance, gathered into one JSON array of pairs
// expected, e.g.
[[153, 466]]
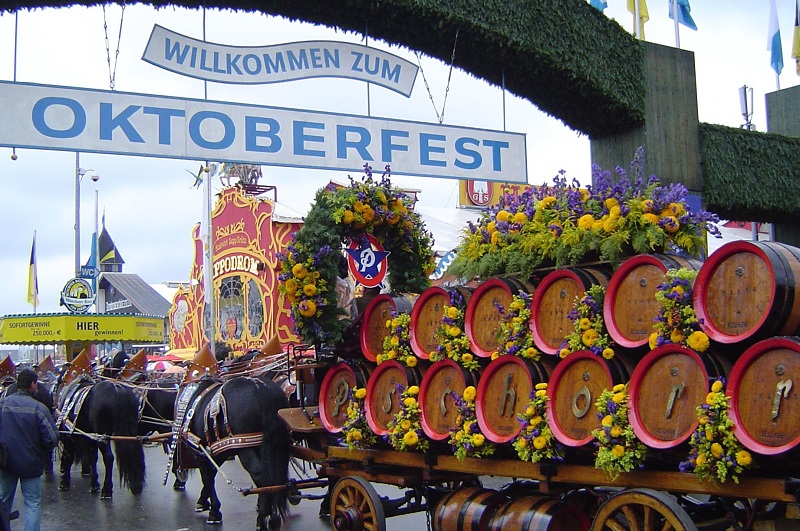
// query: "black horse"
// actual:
[[251, 413], [88, 421]]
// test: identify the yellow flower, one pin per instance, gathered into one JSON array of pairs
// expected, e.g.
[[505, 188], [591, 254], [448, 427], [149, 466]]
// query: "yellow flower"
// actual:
[[360, 393], [452, 312], [467, 426], [608, 353], [392, 354], [308, 308], [716, 386], [614, 212], [469, 393], [300, 271], [466, 357], [671, 224], [563, 353], [529, 410], [711, 398], [459, 435], [539, 442], [607, 421], [584, 323], [413, 390], [618, 388], [495, 237], [356, 435], [611, 202], [618, 398], [701, 459], [478, 439], [716, 450], [380, 358], [503, 215], [520, 217], [347, 217], [610, 225], [405, 424], [411, 438], [743, 457], [703, 420], [536, 420], [409, 401], [676, 336], [454, 331], [616, 431], [411, 361], [653, 341], [648, 205], [310, 290], [546, 202], [495, 355], [541, 385], [618, 451], [589, 337], [291, 286], [541, 393], [709, 434], [490, 227], [585, 222], [650, 218], [698, 341]]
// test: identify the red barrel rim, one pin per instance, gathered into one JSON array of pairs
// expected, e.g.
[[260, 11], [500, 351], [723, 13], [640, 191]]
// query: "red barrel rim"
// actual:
[[426, 295], [373, 379], [734, 384], [480, 406], [362, 336], [552, 390], [611, 297], [423, 394], [633, 390], [469, 314], [324, 414], [701, 285], [538, 295]]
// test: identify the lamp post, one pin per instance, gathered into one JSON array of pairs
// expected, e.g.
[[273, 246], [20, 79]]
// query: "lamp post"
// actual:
[[79, 173]]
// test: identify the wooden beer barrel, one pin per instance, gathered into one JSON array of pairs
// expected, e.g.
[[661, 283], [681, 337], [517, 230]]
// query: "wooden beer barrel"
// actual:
[[747, 291], [373, 321], [466, 509], [437, 410], [555, 298], [383, 398], [630, 305], [538, 513], [764, 387], [482, 316], [503, 393], [334, 392], [665, 389], [574, 386], [426, 316]]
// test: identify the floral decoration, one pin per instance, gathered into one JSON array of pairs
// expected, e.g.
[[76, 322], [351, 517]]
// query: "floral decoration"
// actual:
[[397, 343], [676, 321], [589, 326], [466, 438], [562, 224], [453, 341], [405, 430], [536, 441], [310, 265], [514, 333], [618, 448], [356, 433], [716, 453]]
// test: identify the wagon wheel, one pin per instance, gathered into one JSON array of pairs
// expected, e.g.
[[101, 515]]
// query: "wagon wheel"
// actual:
[[642, 510], [355, 506]]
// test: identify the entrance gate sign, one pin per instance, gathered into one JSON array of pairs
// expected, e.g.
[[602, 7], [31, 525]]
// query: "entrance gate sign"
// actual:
[[275, 63], [74, 119]]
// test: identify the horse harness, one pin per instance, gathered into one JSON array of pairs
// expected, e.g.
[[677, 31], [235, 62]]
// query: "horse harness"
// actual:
[[70, 403]]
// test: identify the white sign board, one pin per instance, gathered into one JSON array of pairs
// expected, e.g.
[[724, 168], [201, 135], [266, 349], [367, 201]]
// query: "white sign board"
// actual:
[[281, 62], [73, 119]]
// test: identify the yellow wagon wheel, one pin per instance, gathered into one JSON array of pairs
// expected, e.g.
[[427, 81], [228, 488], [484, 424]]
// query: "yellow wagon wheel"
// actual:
[[356, 506], [642, 510]]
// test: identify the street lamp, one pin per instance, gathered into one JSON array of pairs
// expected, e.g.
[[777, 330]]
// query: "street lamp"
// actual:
[[79, 173]]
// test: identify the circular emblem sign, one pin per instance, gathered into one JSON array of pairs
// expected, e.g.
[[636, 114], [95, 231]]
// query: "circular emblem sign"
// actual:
[[367, 264], [480, 192], [77, 295]]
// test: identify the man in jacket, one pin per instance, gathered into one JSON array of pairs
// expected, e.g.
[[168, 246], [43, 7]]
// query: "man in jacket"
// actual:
[[29, 432]]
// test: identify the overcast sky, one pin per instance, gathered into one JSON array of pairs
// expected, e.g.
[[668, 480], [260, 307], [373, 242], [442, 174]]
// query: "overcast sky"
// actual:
[[150, 205]]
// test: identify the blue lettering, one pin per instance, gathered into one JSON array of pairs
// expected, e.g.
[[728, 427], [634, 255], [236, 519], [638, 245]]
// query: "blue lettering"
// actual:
[[164, 115], [391, 75], [108, 123], [252, 133], [270, 66], [176, 50], [232, 66], [203, 57], [197, 120], [425, 149], [331, 58], [297, 63], [462, 149], [316, 57], [360, 145], [389, 146], [249, 58], [374, 71], [300, 138], [193, 60], [358, 56], [78, 118], [496, 146], [217, 69]]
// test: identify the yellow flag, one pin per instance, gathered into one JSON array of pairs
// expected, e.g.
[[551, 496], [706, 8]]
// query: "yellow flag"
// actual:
[[796, 40], [644, 16], [33, 281]]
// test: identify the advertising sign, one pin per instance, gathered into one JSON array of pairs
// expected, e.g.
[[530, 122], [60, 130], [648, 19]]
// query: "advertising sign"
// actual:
[[59, 328], [73, 119]]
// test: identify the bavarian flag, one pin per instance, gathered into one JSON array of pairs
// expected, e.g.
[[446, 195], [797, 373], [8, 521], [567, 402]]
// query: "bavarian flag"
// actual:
[[644, 15], [796, 39], [33, 281]]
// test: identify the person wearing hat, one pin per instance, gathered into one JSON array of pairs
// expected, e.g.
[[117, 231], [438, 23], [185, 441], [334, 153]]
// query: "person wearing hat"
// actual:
[[29, 432]]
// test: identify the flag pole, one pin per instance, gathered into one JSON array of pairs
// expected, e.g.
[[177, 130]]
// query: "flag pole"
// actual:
[[637, 20], [675, 20]]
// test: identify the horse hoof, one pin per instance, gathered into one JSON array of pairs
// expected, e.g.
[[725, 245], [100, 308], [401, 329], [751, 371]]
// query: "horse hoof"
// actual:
[[274, 522]]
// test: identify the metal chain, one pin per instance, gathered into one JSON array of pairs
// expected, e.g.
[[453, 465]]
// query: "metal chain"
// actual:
[[112, 74], [439, 117]]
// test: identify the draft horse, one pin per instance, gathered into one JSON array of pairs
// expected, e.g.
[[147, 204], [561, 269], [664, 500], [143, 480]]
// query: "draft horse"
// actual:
[[91, 413], [237, 417]]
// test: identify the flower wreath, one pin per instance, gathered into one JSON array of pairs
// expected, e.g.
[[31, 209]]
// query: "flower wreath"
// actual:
[[466, 438], [676, 321], [405, 431], [309, 267], [590, 330], [536, 441], [514, 333], [618, 448], [453, 341], [356, 433], [716, 453], [397, 343]]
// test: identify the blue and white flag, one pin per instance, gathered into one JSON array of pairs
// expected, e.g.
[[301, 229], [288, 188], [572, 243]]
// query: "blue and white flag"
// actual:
[[774, 39], [599, 4], [684, 13]]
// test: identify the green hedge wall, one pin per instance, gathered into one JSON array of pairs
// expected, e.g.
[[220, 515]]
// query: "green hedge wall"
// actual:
[[750, 176], [563, 55]]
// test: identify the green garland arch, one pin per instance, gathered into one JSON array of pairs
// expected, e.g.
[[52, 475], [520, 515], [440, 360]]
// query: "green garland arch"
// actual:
[[310, 266]]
